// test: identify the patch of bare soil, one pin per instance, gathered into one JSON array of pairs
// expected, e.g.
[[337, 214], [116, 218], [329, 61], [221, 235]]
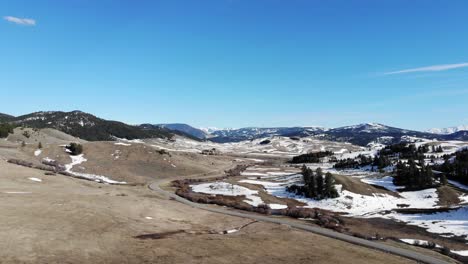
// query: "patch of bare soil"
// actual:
[[448, 196], [266, 197], [357, 186]]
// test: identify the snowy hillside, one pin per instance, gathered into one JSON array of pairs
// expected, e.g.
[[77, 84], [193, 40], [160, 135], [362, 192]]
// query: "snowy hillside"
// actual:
[[449, 130]]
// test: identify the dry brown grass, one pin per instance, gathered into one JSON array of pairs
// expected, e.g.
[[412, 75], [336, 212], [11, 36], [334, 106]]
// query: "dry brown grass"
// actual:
[[67, 220], [356, 186]]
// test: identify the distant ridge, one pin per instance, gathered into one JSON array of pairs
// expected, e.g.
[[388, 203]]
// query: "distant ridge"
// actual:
[[448, 130], [361, 134], [6, 118], [86, 126], [195, 132], [92, 128]]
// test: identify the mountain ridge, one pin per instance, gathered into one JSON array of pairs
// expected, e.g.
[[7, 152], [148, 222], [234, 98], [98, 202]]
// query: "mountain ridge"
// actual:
[[86, 126], [448, 130], [92, 128]]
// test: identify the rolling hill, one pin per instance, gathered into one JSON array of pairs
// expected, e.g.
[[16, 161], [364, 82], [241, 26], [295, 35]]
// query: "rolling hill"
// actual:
[[87, 126], [361, 134], [184, 128]]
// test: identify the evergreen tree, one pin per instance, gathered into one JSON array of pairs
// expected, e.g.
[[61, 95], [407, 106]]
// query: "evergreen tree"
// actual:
[[443, 179], [75, 149], [330, 190], [315, 186], [320, 183]]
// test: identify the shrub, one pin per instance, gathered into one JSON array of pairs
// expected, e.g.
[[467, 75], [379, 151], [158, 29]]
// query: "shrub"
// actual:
[[26, 134], [75, 149], [5, 129], [163, 152]]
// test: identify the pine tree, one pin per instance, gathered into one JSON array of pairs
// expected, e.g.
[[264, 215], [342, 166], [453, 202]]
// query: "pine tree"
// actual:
[[320, 183], [330, 190], [312, 188], [443, 179]]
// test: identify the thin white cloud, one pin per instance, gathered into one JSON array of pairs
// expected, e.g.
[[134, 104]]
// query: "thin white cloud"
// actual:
[[20, 21], [432, 68]]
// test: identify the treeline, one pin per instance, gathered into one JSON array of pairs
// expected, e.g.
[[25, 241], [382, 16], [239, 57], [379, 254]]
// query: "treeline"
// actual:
[[415, 176], [313, 157], [388, 154], [5, 129], [379, 161], [456, 168], [405, 151], [316, 185]]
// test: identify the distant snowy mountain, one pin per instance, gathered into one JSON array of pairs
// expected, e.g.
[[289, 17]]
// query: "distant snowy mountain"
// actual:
[[448, 130], [366, 133], [361, 134], [184, 128], [90, 127], [209, 130], [368, 128], [250, 133]]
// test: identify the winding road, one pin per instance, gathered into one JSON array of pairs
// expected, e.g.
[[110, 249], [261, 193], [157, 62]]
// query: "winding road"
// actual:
[[155, 186]]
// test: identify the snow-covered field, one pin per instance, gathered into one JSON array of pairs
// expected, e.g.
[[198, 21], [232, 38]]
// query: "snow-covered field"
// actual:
[[274, 180], [351, 203], [382, 204], [450, 223], [227, 189]]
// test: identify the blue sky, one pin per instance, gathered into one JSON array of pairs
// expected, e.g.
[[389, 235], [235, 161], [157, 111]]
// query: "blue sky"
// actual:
[[236, 63]]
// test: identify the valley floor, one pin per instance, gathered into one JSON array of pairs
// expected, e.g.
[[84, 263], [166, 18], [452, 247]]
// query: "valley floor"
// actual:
[[56, 219], [52, 218]]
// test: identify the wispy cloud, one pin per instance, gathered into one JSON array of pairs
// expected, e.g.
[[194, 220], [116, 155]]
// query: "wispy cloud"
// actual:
[[20, 21], [433, 68]]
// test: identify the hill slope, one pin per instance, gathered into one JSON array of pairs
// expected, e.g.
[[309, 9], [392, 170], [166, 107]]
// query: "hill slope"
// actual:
[[184, 128], [87, 126], [361, 134], [5, 118], [250, 133], [364, 134]]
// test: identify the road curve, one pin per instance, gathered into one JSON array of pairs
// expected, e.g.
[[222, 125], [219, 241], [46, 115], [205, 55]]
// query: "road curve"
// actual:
[[155, 186]]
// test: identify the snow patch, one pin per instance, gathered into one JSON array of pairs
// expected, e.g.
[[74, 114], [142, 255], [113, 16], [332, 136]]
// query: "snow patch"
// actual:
[[76, 160], [277, 206], [460, 252], [227, 189], [122, 144], [35, 179]]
